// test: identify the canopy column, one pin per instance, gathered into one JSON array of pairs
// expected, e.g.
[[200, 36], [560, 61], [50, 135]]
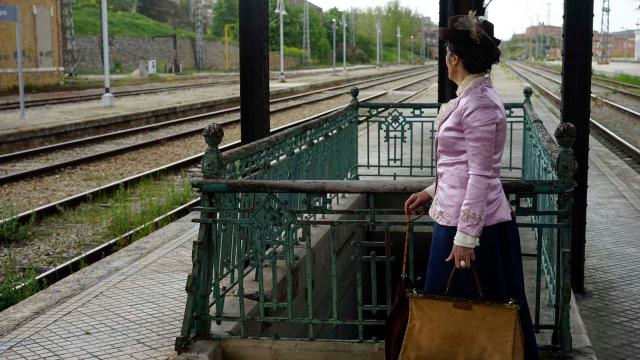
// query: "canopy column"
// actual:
[[254, 70], [446, 87], [575, 108]]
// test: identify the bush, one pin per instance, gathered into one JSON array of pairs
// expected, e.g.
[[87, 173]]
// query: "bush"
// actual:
[[293, 52]]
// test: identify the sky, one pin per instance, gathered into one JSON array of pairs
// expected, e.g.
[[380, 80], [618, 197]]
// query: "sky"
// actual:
[[513, 16]]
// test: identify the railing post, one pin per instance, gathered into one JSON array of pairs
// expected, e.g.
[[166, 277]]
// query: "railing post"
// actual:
[[355, 104], [196, 322], [566, 166], [526, 105]]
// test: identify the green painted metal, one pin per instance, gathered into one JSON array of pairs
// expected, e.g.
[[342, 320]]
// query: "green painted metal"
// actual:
[[260, 241], [400, 140]]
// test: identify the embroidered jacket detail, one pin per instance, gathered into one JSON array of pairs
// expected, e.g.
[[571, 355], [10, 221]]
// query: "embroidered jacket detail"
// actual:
[[441, 217], [470, 218]]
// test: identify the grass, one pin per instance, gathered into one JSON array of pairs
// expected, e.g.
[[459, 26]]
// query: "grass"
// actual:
[[89, 224], [16, 285], [625, 78], [137, 206], [86, 21], [12, 231]]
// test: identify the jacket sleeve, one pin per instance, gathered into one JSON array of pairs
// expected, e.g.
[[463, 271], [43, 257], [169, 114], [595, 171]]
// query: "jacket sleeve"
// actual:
[[479, 126]]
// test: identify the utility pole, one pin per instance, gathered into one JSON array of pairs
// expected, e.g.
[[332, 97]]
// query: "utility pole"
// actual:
[[398, 35], [378, 33], [333, 25], [604, 33], [70, 49], [412, 39], [107, 98], [344, 43], [353, 28], [280, 10], [422, 48], [199, 36], [306, 44]]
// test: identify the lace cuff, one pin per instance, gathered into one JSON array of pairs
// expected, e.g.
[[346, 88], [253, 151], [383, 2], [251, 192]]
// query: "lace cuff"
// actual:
[[462, 239], [431, 190]]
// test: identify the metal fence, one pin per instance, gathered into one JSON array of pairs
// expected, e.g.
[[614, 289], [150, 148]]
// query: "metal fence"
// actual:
[[399, 140], [281, 257]]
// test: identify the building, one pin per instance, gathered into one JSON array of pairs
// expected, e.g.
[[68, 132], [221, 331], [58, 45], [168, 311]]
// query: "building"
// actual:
[[41, 45], [430, 31], [541, 29], [621, 44]]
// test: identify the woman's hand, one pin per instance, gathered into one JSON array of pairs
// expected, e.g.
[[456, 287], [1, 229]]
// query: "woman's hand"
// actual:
[[461, 253], [415, 202]]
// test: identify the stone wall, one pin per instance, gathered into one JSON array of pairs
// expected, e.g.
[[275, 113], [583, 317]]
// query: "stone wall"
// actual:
[[125, 53]]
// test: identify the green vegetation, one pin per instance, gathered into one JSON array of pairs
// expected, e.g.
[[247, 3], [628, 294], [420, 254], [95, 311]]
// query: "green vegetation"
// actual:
[[161, 18], [12, 231], [86, 21], [625, 78], [137, 206], [91, 224], [15, 285]]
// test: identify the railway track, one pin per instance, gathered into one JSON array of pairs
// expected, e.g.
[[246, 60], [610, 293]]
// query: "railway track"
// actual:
[[108, 247], [38, 161], [69, 99], [624, 148], [97, 93], [599, 80], [628, 103]]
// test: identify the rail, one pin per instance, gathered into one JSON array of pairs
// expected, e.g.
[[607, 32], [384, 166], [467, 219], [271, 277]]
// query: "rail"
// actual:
[[295, 243]]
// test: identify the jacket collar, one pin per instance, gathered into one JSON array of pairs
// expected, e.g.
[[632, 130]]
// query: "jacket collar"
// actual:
[[469, 83]]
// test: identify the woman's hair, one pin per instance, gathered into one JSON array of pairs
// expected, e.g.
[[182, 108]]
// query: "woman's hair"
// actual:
[[476, 58]]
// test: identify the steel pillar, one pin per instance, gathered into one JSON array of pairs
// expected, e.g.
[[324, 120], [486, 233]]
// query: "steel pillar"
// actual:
[[254, 70], [575, 108]]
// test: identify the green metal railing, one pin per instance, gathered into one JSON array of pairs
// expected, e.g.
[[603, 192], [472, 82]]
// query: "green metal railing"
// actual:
[[277, 256], [399, 140]]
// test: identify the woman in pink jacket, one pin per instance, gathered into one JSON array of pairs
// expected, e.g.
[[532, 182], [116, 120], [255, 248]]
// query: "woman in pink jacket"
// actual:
[[473, 220]]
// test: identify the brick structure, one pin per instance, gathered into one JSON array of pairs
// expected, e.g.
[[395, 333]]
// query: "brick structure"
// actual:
[[41, 45]]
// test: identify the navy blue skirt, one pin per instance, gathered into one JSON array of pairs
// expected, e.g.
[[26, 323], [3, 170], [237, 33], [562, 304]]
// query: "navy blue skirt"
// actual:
[[498, 265]]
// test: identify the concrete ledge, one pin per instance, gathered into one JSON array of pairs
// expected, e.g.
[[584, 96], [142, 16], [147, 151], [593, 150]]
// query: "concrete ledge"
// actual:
[[254, 349]]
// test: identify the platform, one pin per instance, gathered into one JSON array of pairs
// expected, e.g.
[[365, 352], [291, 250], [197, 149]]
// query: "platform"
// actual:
[[130, 305], [54, 120]]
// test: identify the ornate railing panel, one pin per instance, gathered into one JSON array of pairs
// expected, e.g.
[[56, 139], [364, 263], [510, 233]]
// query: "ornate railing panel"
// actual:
[[398, 140], [261, 255]]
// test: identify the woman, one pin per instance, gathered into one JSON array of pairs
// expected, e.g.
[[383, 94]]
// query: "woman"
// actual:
[[473, 220]]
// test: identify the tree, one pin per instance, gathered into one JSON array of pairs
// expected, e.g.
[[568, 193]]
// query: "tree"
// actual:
[[123, 5], [168, 11], [224, 12]]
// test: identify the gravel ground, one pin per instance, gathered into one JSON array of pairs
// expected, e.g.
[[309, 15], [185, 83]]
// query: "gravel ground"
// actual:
[[27, 194], [621, 124], [60, 238], [78, 112], [53, 157]]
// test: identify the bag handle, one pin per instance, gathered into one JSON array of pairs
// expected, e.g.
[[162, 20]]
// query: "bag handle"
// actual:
[[407, 232], [475, 279]]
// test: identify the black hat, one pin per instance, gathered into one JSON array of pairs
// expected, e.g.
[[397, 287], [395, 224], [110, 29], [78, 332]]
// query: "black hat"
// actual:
[[468, 29]]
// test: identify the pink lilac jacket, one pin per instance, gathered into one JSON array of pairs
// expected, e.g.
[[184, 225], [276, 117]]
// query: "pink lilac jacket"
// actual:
[[470, 140]]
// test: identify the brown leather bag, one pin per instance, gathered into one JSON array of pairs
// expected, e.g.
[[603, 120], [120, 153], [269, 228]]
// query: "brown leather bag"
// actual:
[[443, 327]]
